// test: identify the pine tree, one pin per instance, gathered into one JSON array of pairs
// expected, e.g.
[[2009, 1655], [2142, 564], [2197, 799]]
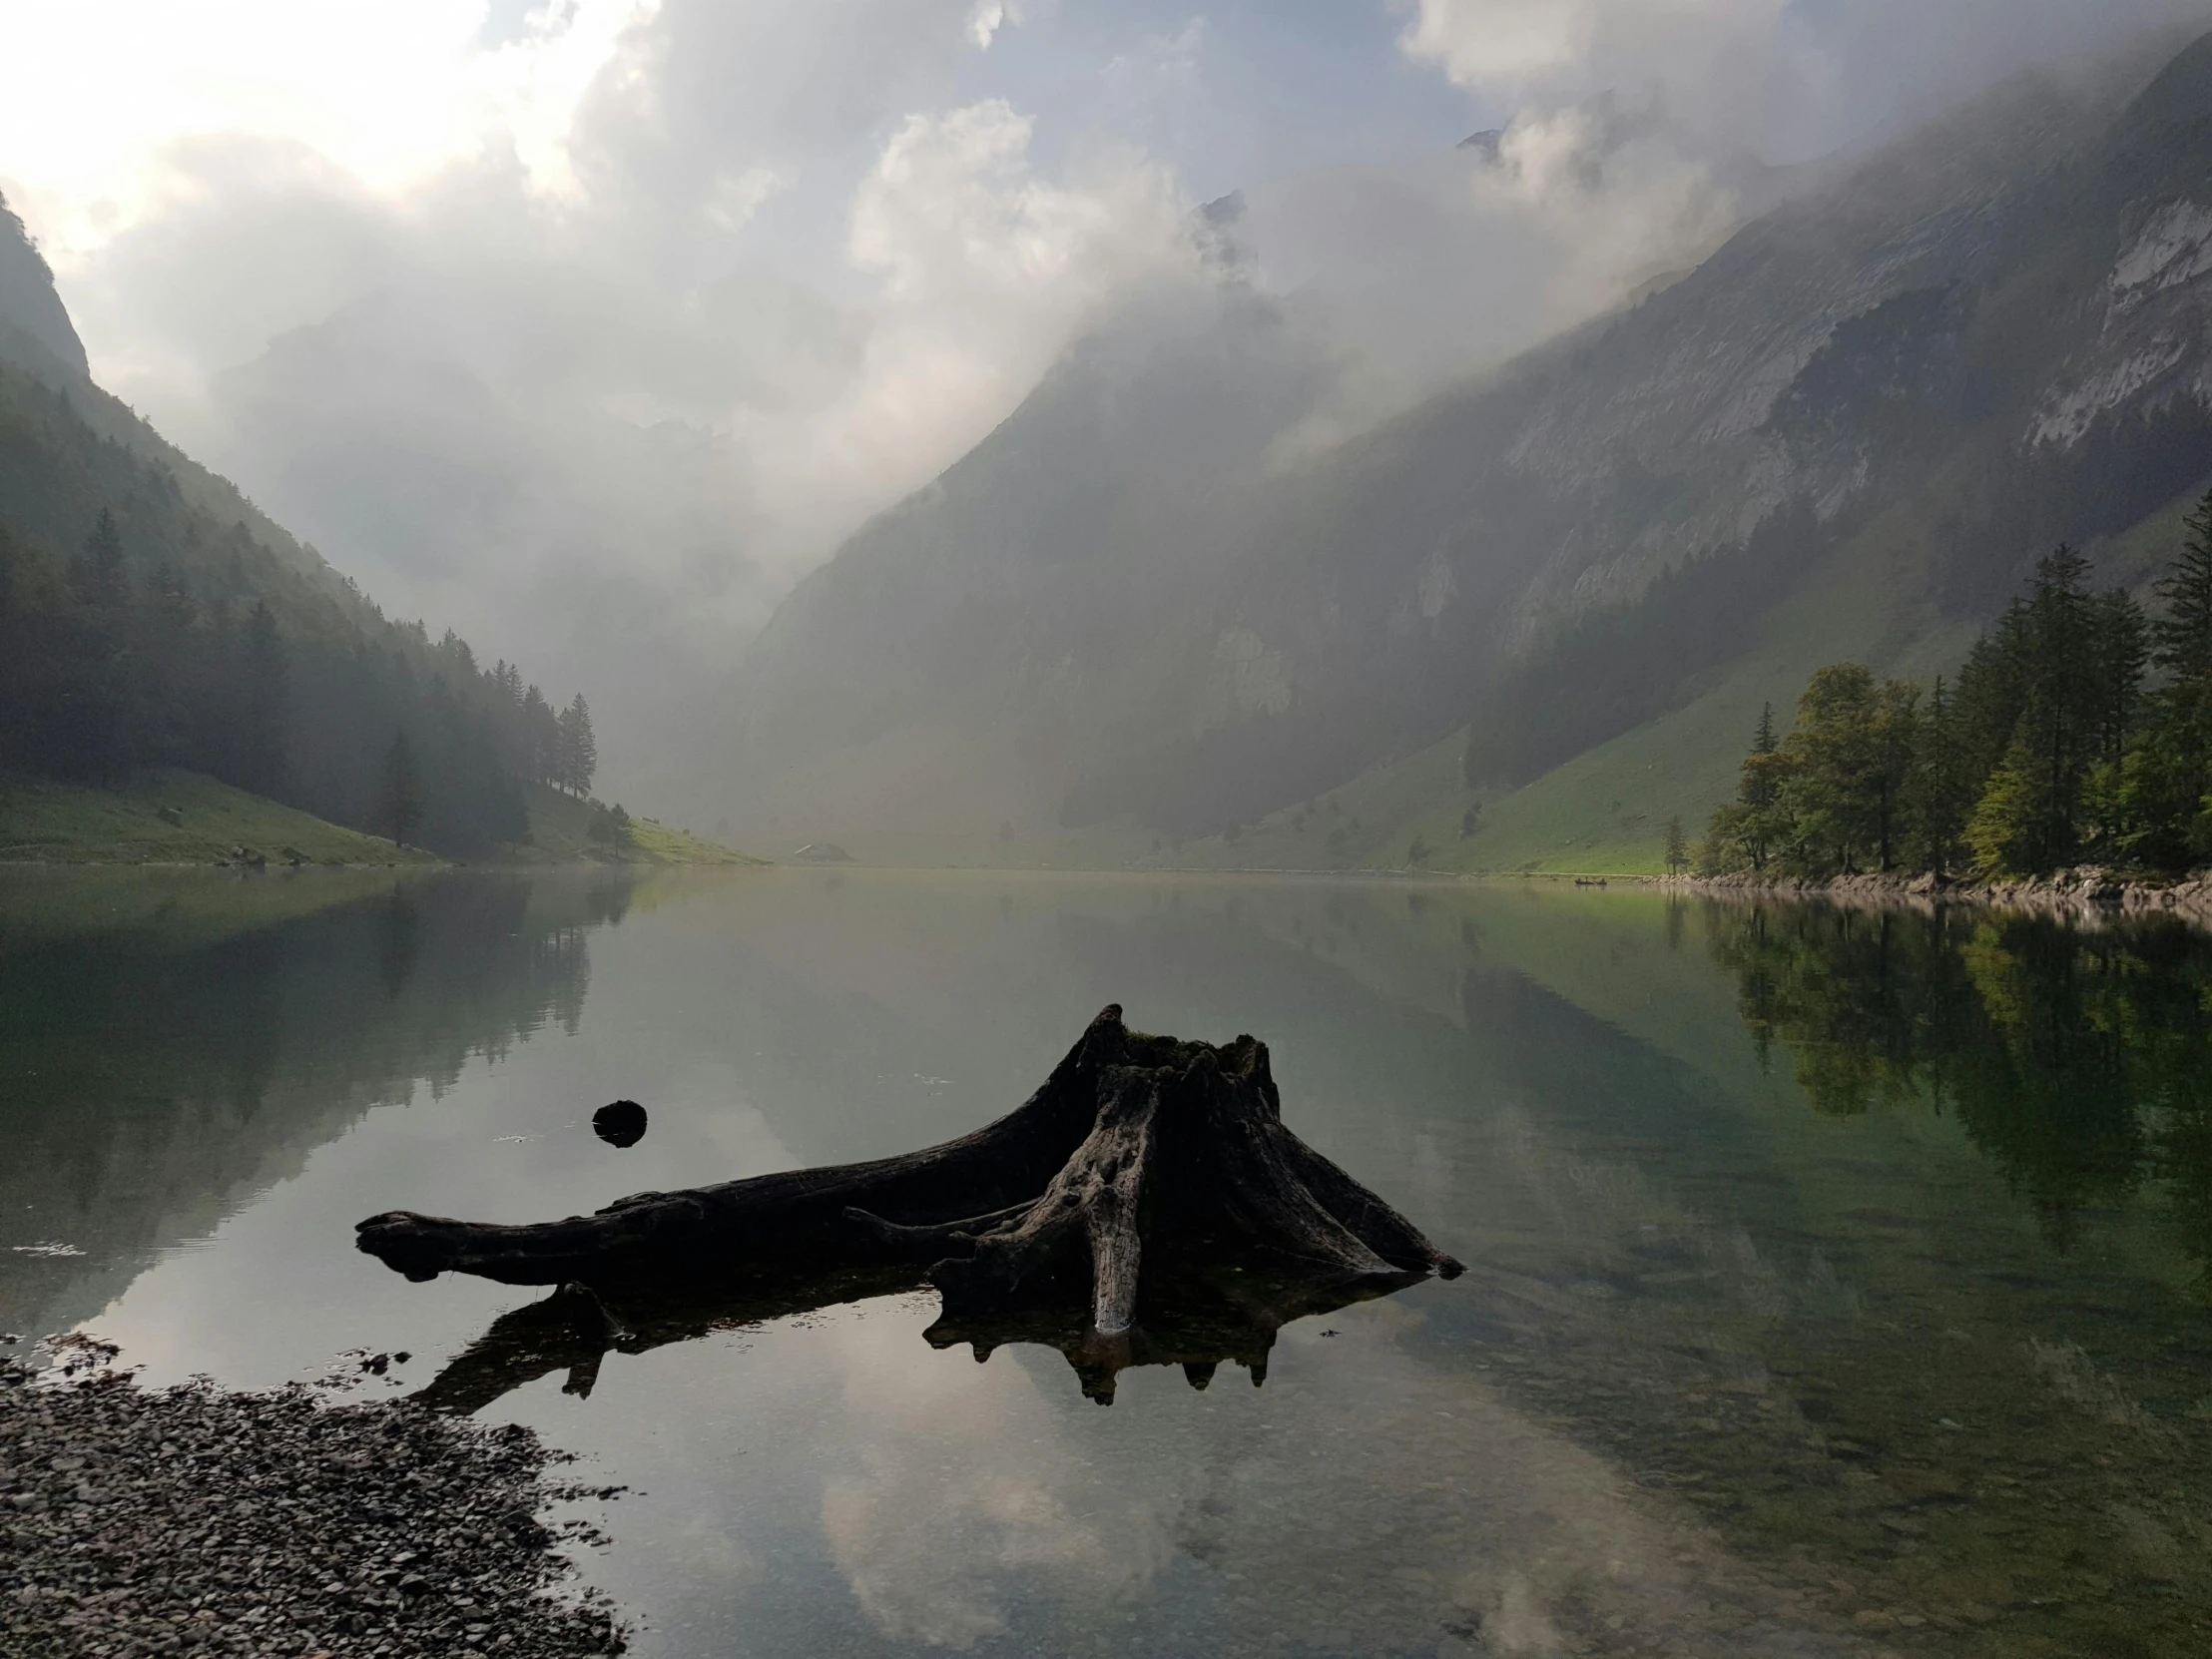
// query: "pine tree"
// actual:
[[2049, 698], [579, 750], [2169, 779], [1678, 847], [399, 790], [1746, 831], [1941, 791], [541, 730]]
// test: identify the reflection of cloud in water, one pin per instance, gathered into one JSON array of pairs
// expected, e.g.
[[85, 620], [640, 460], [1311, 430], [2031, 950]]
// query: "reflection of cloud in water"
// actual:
[[1365, 1501], [964, 1483], [1497, 1529]]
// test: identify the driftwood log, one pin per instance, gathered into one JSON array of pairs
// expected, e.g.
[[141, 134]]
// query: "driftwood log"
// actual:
[[1145, 1205]]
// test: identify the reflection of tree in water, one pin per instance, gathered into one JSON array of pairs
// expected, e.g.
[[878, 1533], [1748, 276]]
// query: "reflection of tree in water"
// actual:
[[398, 942], [2080, 1062], [148, 1086]]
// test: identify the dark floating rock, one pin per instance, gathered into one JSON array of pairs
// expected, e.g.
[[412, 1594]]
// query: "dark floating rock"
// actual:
[[619, 1123], [1147, 1206]]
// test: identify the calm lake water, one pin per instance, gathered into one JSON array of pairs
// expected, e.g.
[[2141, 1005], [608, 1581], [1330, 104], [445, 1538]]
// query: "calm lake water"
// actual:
[[1837, 1284]]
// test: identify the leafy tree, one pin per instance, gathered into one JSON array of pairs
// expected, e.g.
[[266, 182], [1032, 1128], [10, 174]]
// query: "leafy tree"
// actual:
[[2009, 829], [399, 790], [1850, 769], [609, 826]]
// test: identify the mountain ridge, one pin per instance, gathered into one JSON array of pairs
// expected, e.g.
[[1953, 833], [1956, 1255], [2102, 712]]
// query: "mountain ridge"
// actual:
[[1976, 341]]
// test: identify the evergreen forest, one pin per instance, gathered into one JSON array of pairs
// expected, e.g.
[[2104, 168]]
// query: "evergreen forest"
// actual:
[[2077, 733]]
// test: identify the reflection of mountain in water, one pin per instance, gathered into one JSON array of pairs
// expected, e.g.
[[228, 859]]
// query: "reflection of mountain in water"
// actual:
[[2081, 1063], [149, 1091]]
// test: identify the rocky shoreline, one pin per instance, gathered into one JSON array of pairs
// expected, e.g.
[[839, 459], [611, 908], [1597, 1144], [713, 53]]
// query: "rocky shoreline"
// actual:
[[2090, 894], [189, 1520]]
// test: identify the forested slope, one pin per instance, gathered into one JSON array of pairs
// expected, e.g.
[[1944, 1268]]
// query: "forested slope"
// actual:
[[150, 615]]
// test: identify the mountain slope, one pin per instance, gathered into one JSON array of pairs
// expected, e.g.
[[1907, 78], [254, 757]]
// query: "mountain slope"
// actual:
[[152, 617], [1900, 386]]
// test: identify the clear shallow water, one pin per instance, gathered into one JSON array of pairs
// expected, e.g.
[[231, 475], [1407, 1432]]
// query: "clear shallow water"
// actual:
[[1912, 1355]]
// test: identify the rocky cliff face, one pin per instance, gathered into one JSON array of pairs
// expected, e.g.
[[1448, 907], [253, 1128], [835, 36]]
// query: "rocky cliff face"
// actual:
[[35, 331], [1993, 335]]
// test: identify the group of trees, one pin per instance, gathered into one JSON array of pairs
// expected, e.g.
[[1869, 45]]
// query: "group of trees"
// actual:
[[556, 749], [2079, 730], [112, 663], [101, 674]]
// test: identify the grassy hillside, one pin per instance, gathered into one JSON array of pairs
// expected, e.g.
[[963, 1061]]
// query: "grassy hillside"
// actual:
[[179, 818], [560, 833]]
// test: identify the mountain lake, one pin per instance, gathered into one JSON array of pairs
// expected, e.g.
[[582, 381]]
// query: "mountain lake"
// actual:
[[1836, 1280]]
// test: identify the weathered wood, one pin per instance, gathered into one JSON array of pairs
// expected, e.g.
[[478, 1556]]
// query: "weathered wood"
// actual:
[[1139, 1156]]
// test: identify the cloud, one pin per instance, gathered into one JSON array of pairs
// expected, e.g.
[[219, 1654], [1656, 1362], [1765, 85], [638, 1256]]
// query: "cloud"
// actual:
[[389, 92], [1786, 79], [1629, 126], [1569, 47], [987, 271], [987, 17], [607, 329]]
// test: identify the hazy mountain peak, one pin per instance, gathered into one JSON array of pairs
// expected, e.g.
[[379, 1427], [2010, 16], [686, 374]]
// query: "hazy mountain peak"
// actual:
[[35, 331]]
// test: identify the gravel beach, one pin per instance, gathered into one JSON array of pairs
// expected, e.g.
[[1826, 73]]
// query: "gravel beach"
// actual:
[[135, 1522]]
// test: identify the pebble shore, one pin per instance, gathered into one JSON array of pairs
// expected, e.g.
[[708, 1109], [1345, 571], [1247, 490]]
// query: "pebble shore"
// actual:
[[189, 1520], [2090, 894]]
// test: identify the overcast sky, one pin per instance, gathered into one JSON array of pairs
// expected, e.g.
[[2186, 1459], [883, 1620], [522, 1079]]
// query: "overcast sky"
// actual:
[[586, 327]]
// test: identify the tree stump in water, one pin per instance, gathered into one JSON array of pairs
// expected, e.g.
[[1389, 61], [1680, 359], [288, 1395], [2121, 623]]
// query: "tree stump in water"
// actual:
[[1141, 1158]]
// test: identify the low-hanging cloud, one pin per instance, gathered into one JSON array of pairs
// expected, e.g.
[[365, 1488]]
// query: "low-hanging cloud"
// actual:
[[1782, 79], [1616, 142]]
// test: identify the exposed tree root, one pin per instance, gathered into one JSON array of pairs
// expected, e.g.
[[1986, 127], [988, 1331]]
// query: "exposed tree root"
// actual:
[[1140, 1156]]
